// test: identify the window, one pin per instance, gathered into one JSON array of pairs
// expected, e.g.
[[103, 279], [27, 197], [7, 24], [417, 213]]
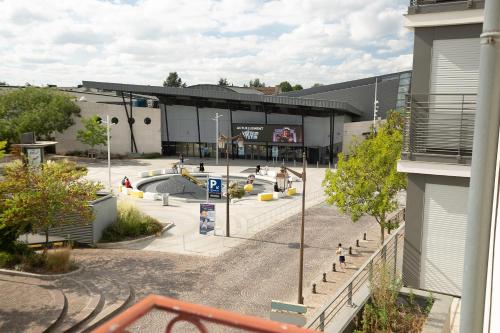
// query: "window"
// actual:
[[114, 120], [147, 120]]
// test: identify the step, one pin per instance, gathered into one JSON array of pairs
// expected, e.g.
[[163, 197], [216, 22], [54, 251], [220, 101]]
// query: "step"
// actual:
[[29, 304], [83, 300], [116, 295]]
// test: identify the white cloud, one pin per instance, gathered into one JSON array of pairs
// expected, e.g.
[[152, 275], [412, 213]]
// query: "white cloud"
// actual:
[[326, 41]]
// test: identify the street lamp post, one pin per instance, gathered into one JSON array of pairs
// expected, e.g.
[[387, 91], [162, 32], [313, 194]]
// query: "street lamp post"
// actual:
[[301, 258], [217, 116], [225, 141], [108, 141]]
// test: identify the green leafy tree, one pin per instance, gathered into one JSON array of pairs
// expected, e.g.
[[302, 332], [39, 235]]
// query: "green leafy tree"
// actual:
[[94, 133], [40, 110], [316, 85], [367, 182], [223, 82], [39, 198], [297, 87], [3, 144], [174, 80], [256, 83], [3, 83], [285, 86]]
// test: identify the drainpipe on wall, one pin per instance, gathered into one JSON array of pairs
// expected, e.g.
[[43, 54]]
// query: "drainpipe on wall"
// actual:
[[483, 167]]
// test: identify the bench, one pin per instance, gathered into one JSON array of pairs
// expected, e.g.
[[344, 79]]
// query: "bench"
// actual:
[[265, 196]]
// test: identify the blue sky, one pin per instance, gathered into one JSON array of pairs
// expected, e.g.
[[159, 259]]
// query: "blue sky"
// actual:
[[302, 41]]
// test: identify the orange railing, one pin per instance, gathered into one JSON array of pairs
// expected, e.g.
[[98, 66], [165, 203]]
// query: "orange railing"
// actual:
[[195, 314]]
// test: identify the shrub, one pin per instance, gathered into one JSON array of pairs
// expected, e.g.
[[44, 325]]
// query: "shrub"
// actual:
[[131, 223], [6, 260], [235, 191], [150, 155], [58, 260]]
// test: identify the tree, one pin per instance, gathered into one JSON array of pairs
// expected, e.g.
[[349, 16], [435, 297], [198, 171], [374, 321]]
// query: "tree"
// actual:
[[317, 85], [94, 133], [3, 144], [256, 83], [297, 87], [173, 80], [223, 82], [40, 110], [367, 182], [3, 83], [39, 198], [285, 86]]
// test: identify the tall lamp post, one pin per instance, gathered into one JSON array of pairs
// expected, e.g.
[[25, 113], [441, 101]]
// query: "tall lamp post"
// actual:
[[108, 123], [224, 141], [303, 177]]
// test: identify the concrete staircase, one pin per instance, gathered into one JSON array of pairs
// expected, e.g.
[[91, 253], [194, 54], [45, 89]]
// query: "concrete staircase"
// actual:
[[78, 302]]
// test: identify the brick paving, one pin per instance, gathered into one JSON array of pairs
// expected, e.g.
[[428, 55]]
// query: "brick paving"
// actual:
[[28, 304], [244, 279]]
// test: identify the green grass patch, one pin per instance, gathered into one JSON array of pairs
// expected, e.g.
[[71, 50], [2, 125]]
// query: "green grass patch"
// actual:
[[131, 223]]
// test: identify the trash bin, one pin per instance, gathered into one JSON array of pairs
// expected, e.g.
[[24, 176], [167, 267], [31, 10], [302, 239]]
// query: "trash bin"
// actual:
[[165, 199]]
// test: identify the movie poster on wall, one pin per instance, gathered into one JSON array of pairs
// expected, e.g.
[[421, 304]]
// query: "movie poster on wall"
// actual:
[[269, 133]]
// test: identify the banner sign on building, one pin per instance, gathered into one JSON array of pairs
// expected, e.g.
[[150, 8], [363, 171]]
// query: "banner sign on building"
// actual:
[[269, 133], [207, 218], [215, 187]]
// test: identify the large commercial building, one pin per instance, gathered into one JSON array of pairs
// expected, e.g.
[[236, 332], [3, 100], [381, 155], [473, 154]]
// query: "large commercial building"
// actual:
[[177, 121]]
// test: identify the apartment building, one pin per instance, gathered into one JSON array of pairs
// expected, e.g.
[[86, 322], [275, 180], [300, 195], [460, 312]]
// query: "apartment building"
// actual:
[[437, 151]]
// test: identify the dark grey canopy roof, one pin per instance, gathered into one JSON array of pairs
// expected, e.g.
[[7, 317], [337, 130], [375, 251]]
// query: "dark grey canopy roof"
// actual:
[[226, 96]]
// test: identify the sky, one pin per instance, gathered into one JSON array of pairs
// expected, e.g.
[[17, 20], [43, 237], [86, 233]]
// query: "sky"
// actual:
[[302, 41]]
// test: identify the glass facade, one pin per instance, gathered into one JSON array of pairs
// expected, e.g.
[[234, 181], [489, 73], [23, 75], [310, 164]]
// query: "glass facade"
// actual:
[[403, 89]]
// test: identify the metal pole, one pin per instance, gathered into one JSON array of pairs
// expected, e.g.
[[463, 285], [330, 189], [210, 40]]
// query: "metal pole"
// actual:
[[228, 234], [483, 167], [109, 154], [301, 261], [217, 116], [375, 102], [216, 138]]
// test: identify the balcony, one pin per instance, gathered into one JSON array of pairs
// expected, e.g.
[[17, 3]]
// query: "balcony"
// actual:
[[439, 128], [433, 6]]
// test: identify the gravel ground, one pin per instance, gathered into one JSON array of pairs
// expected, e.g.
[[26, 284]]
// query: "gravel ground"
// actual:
[[244, 279]]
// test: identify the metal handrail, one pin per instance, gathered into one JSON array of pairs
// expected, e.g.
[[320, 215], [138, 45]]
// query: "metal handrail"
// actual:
[[344, 295], [197, 315], [439, 124], [416, 3]]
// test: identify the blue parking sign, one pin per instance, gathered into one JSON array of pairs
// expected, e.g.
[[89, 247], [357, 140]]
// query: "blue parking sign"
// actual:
[[215, 187]]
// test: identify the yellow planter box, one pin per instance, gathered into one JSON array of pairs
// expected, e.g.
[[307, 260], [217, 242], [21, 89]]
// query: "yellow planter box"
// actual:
[[265, 196], [137, 194], [291, 191]]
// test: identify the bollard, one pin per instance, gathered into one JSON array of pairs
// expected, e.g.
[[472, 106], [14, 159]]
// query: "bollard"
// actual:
[[324, 277], [364, 236], [350, 250], [317, 164], [314, 288], [329, 165], [357, 242], [334, 267]]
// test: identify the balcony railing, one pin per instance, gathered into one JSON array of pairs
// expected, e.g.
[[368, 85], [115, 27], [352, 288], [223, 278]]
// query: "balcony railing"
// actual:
[[439, 127], [348, 300], [415, 3], [188, 317]]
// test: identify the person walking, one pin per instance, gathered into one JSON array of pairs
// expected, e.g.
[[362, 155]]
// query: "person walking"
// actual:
[[341, 253], [181, 161]]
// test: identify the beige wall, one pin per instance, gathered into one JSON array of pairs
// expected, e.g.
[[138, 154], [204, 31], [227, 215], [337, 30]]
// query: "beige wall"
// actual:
[[356, 130], [147, 137]]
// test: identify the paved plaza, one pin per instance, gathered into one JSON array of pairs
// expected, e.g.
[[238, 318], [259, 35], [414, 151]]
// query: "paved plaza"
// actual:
[[248, 216], [244, 279]]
